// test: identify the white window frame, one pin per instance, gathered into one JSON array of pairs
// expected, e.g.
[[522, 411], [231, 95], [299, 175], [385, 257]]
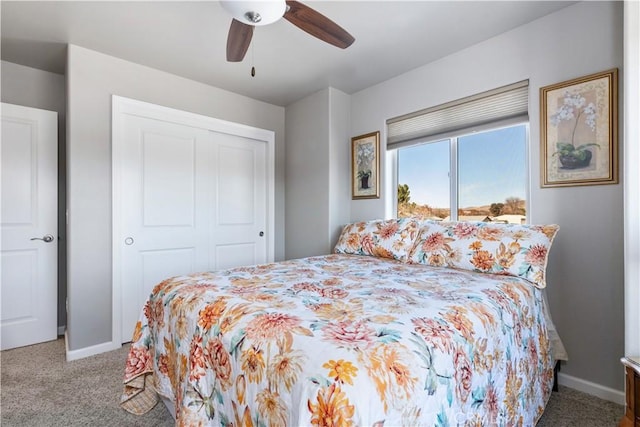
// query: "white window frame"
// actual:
[[392, 166]]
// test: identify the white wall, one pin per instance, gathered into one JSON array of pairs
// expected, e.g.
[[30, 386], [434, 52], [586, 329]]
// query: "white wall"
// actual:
[[317, 159], [307, 158], [92, 78], [339, 164], [586, 269], [35, 88], [632, 176]]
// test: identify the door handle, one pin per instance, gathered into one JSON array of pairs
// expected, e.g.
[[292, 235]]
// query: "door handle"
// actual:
[[47, 238]]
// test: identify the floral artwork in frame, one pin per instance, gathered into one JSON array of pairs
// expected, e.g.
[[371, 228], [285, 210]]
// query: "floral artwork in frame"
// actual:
[[579, 131], [365, 166]]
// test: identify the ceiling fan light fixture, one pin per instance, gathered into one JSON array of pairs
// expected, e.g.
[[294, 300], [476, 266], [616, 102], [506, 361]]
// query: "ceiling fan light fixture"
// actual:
[[255, 12]]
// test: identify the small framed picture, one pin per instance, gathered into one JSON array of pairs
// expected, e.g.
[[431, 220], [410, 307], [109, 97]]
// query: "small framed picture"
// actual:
[[579, 131], [365, 166]]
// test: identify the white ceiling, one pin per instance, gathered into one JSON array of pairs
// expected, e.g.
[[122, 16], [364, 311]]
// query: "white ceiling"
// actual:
[[189, 39]]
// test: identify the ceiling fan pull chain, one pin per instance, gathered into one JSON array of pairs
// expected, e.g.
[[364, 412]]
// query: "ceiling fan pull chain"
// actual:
[[253, 69]]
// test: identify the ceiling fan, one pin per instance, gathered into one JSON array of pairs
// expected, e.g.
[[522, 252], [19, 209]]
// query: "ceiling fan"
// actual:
[[247, 14]]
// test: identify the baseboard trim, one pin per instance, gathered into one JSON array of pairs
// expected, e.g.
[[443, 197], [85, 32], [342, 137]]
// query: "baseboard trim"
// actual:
[[61, 330], [593, 389], [81, 353]]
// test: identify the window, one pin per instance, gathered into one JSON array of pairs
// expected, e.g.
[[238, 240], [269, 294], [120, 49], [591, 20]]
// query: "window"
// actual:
[[480, 177], [466, 159], [423, 181]]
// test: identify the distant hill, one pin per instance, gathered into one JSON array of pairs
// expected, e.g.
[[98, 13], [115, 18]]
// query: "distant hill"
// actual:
[[426, 212], [517, 208]]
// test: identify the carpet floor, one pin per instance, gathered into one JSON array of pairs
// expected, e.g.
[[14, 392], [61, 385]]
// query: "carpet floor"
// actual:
[[39, 388]]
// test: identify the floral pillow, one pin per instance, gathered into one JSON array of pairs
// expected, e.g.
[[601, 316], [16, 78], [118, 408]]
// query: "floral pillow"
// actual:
[[509, 249], [392, 238]]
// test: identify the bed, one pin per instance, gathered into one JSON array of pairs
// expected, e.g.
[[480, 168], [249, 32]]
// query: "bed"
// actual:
[[408, 323]]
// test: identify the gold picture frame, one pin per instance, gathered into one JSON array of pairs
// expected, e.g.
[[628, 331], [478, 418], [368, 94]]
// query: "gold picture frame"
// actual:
[[579, 131], [365, 166]]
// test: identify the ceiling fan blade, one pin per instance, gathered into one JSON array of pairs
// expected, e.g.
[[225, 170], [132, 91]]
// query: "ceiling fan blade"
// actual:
[[238, 40], [317, 25]]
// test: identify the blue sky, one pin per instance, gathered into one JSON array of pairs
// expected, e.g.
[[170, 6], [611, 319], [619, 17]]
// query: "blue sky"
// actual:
[[491, 168]]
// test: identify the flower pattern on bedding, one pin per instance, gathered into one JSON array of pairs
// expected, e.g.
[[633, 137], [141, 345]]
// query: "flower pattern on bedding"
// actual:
[[392, 238], [509, 249], [343, 340]]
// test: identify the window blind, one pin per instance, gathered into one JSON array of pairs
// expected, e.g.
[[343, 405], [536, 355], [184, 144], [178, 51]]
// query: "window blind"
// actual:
[[503, 106]]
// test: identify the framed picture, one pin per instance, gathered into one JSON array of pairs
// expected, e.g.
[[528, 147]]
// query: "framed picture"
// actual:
[[579, 131], [365, 166]]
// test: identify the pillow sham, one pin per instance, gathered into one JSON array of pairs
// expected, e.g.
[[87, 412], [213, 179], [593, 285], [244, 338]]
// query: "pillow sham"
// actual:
[[392, 238], [509, 249]]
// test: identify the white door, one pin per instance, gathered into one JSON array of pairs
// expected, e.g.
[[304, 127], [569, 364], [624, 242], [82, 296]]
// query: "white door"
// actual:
[[29, 226], [192, 200], [239, 222]]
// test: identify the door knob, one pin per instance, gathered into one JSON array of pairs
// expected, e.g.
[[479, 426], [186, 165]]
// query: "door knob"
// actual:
[[47, 238]]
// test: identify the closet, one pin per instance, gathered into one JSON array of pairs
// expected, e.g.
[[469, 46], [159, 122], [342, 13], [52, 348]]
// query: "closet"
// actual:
[[191, 194]]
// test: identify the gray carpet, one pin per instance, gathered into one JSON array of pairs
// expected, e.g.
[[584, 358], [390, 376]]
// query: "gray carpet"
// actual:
[[38, 388]]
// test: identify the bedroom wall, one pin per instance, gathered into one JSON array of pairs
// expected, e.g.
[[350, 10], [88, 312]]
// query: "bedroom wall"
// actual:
[[317, 160], [306, 175], [92, 78], [632, 176], [586, 268], [339, 163], [35, 88]]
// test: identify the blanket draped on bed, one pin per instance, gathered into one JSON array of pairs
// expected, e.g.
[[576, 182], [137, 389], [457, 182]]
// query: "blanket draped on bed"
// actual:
[[342, 340]]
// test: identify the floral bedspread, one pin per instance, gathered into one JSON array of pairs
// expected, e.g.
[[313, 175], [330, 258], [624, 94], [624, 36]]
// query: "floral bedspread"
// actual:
[[342, 340]]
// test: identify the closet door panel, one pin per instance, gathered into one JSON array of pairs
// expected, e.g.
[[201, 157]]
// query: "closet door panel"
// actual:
[[165, 208], [239, 227]]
